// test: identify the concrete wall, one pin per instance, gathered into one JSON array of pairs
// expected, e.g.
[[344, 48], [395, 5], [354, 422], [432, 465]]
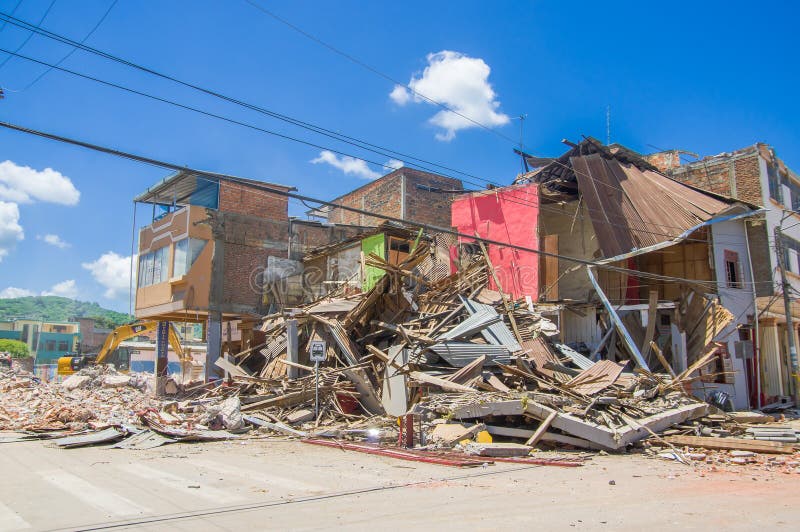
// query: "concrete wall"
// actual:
[[576, 238], [730, 236], [508, 214]]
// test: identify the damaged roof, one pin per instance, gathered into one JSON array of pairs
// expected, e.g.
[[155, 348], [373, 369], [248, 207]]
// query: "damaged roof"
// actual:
[[631, 205], [179, 187]]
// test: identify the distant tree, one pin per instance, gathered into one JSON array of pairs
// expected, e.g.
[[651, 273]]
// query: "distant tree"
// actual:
[[54, 308], [15, 347]]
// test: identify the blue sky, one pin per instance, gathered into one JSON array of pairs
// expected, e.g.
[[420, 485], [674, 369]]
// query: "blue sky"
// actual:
[[706, 77]]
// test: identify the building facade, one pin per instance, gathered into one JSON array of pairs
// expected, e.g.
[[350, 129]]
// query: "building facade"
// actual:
[[755, 174], [407, 194], [46, 340]]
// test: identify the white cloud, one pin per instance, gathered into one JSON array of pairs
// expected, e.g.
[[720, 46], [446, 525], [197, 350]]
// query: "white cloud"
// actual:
[[10, 230], [400, 95], [356, 167], [113, 272], [23, 184], [12, 291], [348, 165], [53, 240], [394, 164], [461, 83], [64, 289]]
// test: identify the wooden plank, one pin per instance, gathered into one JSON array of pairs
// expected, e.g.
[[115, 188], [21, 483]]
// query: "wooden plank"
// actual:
[[231, 368], [369, 399], [757, 446], [662, 359], [550, 267], [595, 379], [536, 436], [468, 372], [289, 399], [441, 383], [497, 384], [652, 314]]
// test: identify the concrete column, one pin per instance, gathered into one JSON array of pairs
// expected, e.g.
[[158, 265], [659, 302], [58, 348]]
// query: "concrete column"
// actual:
[[292, 348], [162, 347], [213, 345]]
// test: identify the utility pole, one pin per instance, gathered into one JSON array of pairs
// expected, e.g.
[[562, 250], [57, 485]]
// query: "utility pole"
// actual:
[[787, 304]]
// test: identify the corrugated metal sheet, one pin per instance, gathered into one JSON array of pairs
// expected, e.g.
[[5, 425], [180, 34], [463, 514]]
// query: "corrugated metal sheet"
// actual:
[[577, 358], [459, 354], [497, 334], [638, 208], [471, 326]]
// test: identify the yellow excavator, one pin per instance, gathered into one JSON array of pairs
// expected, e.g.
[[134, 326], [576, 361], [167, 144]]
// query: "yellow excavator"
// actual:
[[109, 354]]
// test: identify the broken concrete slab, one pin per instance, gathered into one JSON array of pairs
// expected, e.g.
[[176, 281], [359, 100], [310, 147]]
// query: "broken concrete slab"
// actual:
[[498, 450]]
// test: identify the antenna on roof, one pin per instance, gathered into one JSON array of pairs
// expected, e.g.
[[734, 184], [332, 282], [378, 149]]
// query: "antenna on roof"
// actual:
[[521, 119], [608, 125]]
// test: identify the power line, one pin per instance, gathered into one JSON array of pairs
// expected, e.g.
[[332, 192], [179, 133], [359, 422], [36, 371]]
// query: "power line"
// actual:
[[13, 10], [30, 35], [266, 189], [375, 71], [72, 51], [312, 127], [519, 201]]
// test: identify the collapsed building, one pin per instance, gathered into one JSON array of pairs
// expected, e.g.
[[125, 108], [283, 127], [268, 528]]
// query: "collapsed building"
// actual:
[[683, 274], [755, 174], [223, 251]]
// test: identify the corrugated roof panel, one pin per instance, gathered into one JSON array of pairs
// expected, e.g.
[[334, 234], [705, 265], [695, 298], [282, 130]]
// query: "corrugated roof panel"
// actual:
[[635, 208]]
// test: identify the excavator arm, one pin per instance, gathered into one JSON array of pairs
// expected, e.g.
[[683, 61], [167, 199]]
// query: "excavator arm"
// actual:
[[126, 332], [122, 333]]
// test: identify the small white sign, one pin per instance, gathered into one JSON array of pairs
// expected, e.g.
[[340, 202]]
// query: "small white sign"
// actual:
[[317, 351]]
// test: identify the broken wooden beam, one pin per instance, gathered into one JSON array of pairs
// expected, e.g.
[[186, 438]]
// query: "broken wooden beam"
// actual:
[[731, 444]]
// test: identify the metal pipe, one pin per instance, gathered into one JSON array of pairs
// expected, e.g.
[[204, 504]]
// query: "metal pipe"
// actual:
[[618, 322]]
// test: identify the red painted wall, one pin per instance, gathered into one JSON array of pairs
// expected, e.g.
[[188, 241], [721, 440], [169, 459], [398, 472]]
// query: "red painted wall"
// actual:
[[507, 215]]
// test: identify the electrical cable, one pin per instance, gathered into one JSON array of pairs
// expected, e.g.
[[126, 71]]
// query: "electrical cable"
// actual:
[[30, 35], [312, 127], [379, 73], [310, 144], [267, 189], [13, 10], [74, 49]]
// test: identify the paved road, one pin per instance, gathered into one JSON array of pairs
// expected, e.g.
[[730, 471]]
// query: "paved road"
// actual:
[[289, 485]]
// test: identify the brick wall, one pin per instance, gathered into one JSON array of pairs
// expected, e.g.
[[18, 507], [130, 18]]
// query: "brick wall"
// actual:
[[385, 196], [243, 199], [736, 175], [429, 207], [664, 160], [757, 235]]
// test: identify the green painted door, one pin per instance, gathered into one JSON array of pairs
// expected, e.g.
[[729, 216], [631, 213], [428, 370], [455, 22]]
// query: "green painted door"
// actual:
[[373, 244]]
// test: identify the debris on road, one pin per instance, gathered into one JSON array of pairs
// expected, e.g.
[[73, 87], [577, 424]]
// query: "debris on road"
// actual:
[[438, 365]]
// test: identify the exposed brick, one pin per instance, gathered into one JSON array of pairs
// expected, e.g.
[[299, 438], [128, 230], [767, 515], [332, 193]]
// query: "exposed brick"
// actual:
[[385, 196]]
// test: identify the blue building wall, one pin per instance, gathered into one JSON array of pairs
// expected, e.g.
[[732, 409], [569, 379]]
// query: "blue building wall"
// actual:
[[55, 345], [10, 335]]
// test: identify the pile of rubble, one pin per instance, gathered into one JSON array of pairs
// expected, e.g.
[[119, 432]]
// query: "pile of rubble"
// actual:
[[466, 367], [443, 366], [93, 398]]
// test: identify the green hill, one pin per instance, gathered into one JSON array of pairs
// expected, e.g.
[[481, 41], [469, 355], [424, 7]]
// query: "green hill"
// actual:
[[54, 308]]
